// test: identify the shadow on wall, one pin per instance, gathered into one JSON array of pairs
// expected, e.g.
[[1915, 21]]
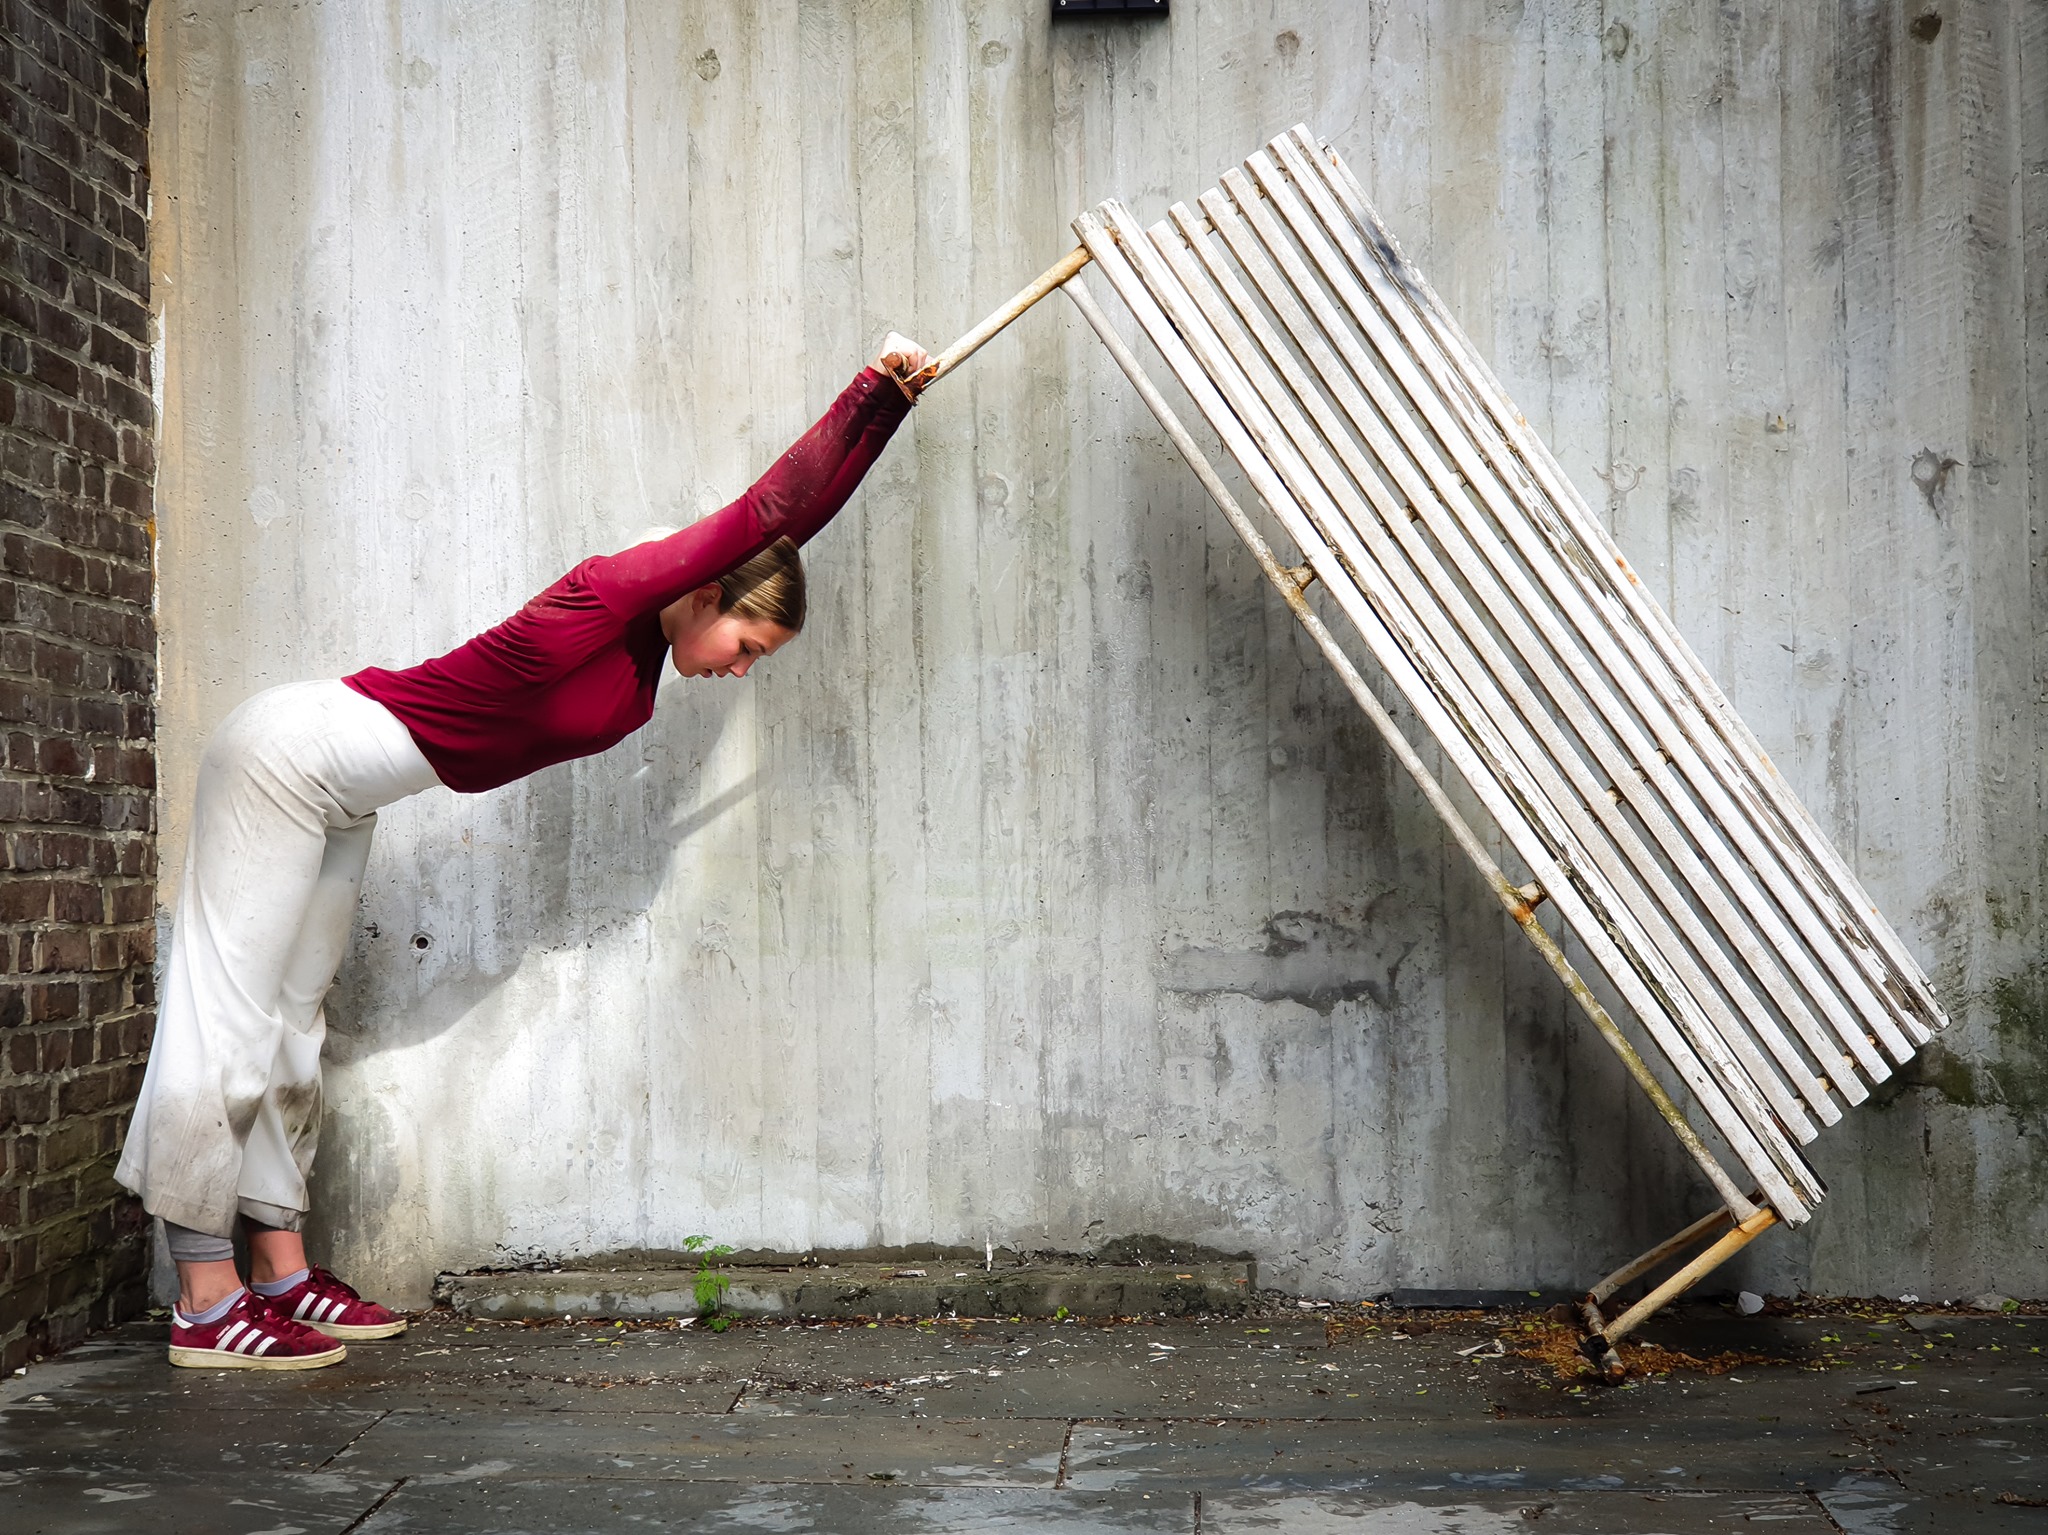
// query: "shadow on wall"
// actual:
[[560, 906]]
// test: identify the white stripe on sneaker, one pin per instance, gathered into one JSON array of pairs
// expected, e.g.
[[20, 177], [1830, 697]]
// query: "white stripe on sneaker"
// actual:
[[306, 1303], [227, 1337], [265, 1346]]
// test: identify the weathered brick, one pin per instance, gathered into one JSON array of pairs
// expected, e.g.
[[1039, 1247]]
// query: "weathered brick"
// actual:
[[50, 1001], [97, 437], [82, 1037], [119, 948], [60, 328], [77, 648], [125, 313], [68, 1145], [87, 1094], [55, 1056], [50, 1198], [21, 1302], [26, 900], [111, 717], [42, 268], [17, 304], [96, 1191], [116, 42], [63, 757], [133, 902], [105, 993], [56, 136], [77, 901], [32, 1103], [61, 1240], [65, 949], [123, 1038], [70, 1300], [131, 101]]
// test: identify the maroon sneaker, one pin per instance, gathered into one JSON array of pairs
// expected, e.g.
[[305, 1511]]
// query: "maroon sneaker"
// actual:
[[322, 1301], [254, 1335]]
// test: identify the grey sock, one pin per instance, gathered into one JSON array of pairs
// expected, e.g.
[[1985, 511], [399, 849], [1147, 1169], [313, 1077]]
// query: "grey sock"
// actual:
[[272, 1288], [189, 1246], [214, 1312]]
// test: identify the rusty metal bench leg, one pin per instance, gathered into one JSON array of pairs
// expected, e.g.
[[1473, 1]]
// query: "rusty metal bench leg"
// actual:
[[1602, 1334]]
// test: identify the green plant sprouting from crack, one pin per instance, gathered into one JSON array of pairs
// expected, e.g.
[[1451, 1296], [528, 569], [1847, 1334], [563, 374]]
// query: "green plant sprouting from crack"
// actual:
[[710, 1284]]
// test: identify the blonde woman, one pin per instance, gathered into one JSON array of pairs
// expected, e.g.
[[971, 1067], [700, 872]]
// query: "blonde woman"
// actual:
[[288, 791]]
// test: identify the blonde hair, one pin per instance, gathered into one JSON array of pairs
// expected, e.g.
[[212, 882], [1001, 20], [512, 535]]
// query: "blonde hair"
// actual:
[[770, 586]]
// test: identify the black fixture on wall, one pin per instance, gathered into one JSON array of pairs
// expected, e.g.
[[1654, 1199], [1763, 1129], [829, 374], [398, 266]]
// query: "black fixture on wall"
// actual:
[[1078, 9]]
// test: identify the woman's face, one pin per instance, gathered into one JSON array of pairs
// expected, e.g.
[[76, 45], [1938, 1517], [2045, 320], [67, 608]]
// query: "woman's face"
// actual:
[[704, 642]]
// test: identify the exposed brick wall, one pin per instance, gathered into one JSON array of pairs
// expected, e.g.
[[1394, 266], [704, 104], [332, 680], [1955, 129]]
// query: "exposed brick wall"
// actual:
[[77, 662]]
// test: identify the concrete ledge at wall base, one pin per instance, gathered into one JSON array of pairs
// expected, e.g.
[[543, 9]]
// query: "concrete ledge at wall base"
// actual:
[[857, 1290]]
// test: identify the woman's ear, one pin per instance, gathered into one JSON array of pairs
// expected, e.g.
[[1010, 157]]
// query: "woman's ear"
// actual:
[[705, 597]]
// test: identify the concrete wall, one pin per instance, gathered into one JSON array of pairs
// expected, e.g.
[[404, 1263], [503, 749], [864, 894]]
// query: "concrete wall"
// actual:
[[1048, 891]]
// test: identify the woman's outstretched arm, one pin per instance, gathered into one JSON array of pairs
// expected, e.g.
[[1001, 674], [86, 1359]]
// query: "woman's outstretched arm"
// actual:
[[802, 492]]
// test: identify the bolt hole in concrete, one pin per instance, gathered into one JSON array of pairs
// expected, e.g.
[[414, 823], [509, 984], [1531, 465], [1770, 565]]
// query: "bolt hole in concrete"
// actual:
[[1926, 28], [422, 942]]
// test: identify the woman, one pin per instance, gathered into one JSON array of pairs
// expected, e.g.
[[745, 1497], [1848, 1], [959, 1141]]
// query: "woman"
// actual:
[[287, 798]]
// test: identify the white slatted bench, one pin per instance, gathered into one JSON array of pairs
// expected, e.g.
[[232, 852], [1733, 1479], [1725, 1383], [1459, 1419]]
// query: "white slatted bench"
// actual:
[[1643, 812]]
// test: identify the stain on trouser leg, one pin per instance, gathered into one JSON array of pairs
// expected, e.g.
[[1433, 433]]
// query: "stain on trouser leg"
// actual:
[[278, 1157]]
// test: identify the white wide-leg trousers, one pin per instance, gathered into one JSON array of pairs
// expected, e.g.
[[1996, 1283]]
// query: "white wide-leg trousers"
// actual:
[[229, 1115]]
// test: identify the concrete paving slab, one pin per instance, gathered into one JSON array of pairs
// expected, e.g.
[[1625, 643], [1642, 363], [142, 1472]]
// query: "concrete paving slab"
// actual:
[[1874, 1507], [1773, 1392], [2001, 1340], [511, 1507], [167, 1501], [859, 1290], [1173, 1389], [463, 1420], [126, 1466], [403, 1373], [440, 1448], [444, 1328], [447, 1327], [1408, 1458], [1168, 1371], [1614, 1513], [817, 1341], [88, 1436], [1985, 1461], [1476, 1300], [1981, 1329]]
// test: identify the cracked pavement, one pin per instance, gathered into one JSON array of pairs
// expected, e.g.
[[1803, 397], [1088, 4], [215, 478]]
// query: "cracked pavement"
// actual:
[[1348, 1420]]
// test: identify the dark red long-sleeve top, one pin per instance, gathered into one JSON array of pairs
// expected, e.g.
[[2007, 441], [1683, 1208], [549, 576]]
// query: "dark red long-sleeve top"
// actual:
[[573, 672]]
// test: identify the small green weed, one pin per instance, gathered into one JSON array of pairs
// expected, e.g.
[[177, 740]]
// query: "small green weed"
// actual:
[[711, 1285]]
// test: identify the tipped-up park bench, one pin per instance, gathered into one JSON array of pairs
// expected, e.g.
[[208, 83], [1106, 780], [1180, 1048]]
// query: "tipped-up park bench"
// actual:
[[1640, 815]]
